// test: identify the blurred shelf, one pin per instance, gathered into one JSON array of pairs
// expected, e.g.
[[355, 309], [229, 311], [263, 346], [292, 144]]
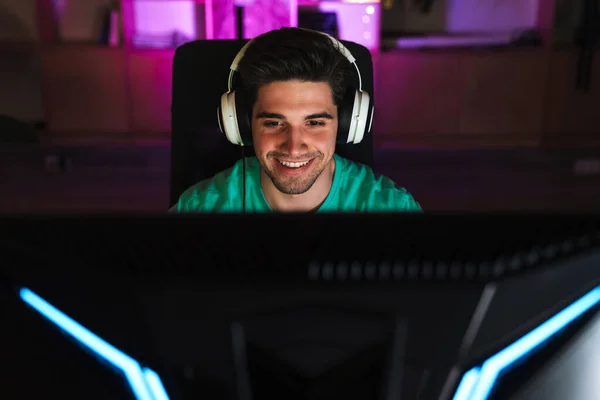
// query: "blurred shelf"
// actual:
[[83, 45]]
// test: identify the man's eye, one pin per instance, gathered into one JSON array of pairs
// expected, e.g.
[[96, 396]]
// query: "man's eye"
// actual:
[[272, 123], [316, 123]]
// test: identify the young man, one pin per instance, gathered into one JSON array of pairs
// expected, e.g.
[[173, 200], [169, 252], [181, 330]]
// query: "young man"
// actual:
[[294, 80]]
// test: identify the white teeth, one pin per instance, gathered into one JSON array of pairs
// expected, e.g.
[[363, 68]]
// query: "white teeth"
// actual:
[[293, 164]]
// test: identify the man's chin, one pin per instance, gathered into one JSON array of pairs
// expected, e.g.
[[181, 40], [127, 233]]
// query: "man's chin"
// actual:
[[293, 185], [292, 190]]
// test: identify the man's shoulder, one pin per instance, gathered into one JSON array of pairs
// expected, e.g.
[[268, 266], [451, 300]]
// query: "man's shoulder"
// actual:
[[374, 192], [212, 194]]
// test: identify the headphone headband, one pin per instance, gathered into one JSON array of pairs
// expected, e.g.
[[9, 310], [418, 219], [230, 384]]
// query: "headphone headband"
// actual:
[[341, 48]]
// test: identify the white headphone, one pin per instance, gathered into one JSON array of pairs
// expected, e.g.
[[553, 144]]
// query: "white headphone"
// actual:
[[353, 113]]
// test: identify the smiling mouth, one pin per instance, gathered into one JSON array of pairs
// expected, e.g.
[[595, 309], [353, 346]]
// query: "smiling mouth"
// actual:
[[296, 164]]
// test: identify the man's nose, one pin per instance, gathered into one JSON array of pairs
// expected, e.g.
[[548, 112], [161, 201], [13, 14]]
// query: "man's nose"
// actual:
[[294, 143]]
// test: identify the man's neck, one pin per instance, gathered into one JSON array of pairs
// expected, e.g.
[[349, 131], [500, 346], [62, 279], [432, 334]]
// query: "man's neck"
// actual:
[[305, 202]]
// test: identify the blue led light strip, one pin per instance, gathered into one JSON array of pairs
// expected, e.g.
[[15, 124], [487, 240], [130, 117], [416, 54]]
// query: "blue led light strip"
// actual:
[[145, 383], [478, 382]]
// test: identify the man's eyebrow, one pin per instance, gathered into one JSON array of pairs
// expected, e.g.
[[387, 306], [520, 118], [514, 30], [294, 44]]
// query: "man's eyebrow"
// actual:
[[324, 114], [265, 114]]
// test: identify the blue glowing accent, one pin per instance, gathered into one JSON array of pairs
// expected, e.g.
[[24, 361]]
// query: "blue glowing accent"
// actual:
[[145, 383], [478, 382]]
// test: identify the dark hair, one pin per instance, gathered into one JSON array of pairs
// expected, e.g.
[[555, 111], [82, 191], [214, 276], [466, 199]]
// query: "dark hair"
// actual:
[[294, 54]]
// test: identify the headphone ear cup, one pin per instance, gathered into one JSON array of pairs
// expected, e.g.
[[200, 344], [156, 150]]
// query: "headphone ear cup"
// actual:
[[363, 118], [346, 110], [243, 114], [227, 118], [220, 119]]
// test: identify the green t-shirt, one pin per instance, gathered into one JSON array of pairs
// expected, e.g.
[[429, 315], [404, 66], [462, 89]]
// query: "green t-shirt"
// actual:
[[355, 188]]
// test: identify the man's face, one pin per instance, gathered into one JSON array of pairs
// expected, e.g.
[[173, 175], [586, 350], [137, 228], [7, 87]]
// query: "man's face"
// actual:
[[294, 127]]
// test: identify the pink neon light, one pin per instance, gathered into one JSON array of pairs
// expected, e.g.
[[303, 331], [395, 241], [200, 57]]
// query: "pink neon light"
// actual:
[[209, 20]]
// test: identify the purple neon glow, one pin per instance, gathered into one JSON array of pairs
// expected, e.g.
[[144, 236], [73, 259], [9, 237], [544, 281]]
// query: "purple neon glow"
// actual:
[[437, 41], [59, 6], [359, 20], [157, 22], [209, 20], [490, 15], [261, 16], [157, 18]]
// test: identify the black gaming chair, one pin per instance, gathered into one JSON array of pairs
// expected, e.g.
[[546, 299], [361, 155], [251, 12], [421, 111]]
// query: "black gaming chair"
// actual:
[[198, 149]]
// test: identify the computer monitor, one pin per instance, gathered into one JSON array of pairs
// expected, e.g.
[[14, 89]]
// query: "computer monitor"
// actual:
[[366, 306]]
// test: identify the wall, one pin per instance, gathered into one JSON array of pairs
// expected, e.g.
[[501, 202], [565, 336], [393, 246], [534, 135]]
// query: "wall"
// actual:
[[20, 66], [454, 98], [516, 97], [84, 89], [21, 96]]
